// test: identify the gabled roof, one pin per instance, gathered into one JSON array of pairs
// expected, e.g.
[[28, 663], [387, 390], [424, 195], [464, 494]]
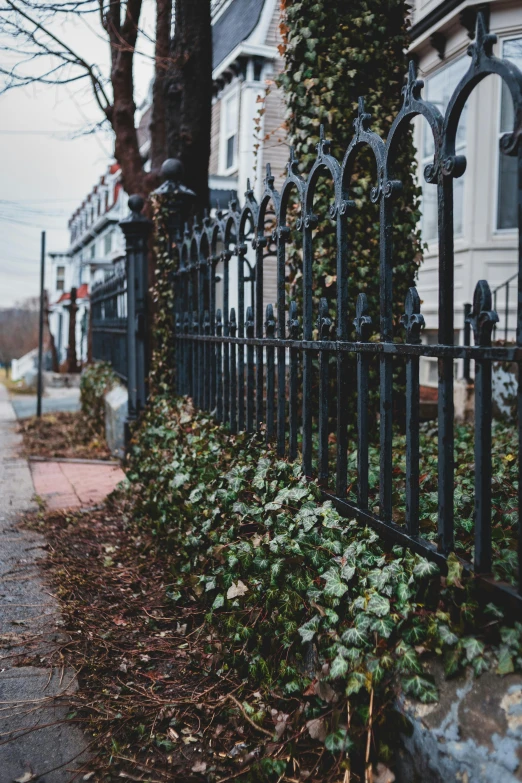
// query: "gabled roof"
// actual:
[[82, 292], [234, 26]]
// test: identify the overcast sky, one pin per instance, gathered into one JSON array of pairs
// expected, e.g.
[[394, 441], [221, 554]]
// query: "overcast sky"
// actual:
[[45, 173]]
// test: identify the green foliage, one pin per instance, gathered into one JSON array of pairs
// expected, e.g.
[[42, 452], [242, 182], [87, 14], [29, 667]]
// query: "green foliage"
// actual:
[[334, 53], [311, 605], [97, 379]]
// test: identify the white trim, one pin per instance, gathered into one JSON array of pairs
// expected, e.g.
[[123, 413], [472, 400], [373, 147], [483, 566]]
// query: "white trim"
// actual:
[[260, 31], [234, 93], [511, 36], [247, 50], [221, 11], [454, 14]]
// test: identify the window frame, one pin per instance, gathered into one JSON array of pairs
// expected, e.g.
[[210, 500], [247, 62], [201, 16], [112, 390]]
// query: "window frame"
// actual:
[[230, 95], [60, 278], [424, 160], [501, 232]]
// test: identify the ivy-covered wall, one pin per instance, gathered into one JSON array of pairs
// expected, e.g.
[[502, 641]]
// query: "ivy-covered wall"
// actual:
[[334, 53]]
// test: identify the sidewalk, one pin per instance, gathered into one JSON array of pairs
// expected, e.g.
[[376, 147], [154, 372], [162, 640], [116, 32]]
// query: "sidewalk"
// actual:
[[35, 738], [54, 400], [73, 484]]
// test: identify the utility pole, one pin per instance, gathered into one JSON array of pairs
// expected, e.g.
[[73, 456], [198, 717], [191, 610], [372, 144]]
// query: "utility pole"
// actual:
[[41, 326]]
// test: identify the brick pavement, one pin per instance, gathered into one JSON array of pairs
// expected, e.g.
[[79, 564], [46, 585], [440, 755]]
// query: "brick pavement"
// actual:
[[73, 484]]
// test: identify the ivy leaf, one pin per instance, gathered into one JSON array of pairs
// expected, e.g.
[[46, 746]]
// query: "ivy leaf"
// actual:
[[378, 605], [480, 665], [357, 681], [309, 629], [383, 626], [219, 601], [338, 741], [505, 661], [447, 636], [420, 688], [425, 568], [355, 637], [473, 648], [338, 668], [408, 660], [334, 586], [403, 592], [347, 572], [454, 571]]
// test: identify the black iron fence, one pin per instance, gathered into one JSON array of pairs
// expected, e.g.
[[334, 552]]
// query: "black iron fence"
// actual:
[[254, 366], [109, 323], [119, 312]]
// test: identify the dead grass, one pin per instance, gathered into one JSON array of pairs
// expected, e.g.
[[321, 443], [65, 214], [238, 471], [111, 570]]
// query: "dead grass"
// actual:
[[66, 435], [153, 692], [15, 387]]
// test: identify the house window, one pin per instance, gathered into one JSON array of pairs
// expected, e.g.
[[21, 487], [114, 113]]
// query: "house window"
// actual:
[[507, 165], [93, 250], [108, 243], [60, 278], [231, 111], [439, 89]]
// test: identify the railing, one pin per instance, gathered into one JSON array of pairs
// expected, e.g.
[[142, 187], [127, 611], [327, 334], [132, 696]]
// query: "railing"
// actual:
[[109, 323], [119, 312], [256, 371], [506, 286]]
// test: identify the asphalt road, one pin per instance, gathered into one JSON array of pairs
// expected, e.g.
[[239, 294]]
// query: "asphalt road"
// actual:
[[25, 405]]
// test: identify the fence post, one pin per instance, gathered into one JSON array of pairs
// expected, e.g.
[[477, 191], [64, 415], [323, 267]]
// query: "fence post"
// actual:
[[467, 342], [136, 228], [177, 201]]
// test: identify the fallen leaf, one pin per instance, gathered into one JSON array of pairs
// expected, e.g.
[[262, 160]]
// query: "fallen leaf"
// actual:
[[317, 729], [325, 691], [199, 766], [26, 778], [88, 776], [236, 590]]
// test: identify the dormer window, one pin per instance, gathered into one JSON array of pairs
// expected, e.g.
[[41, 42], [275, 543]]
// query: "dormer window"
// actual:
[[230, 128], [60, 278]]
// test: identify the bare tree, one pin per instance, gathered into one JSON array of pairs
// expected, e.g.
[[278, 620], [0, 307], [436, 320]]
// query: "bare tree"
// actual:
[[18, 330], [31, 34]]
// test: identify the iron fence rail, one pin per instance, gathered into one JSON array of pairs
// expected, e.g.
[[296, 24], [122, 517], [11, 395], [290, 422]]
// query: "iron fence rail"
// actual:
[[274, 368], [109, 323]]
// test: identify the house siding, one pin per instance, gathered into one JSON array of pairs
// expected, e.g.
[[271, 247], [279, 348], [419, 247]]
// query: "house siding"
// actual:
[[213, 166], [275, 146]]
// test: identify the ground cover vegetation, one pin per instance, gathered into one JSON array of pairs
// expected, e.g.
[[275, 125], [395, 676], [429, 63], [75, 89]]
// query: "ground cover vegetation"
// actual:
[[323, 624], [228, 624], [305, 604]]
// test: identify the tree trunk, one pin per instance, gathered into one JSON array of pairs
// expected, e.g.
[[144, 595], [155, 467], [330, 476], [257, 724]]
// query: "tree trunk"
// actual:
[[188, 93], [158, 128], [72, 359], [54, 354], [121, 114]]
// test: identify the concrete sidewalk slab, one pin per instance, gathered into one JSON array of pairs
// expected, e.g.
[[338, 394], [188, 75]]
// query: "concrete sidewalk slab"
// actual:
[[74, 484], [29, 629]]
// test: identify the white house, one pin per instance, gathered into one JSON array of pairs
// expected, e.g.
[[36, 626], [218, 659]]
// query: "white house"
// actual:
[[96, 244], [485, 197]]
